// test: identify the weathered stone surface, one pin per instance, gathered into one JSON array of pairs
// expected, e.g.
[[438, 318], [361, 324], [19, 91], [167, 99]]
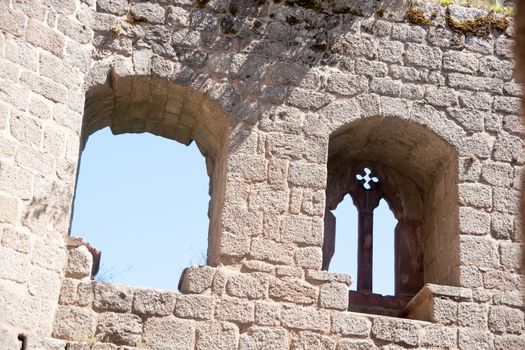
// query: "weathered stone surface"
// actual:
[[305, 318], [110, 297], [267, 313], [311, 341], [264, 339], [251, 286], [74, 323], [153, 302], [120, 329], [470, 339], [195, 306], [216, 335], [169, 332], [402, 332], [296, 291], [351, 325], [79, 262], [334, 296], [236, 310], [505, 320]]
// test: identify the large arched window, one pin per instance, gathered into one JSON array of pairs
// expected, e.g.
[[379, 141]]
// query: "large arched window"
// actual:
[[149, 104], [414, 171], [142, 200]]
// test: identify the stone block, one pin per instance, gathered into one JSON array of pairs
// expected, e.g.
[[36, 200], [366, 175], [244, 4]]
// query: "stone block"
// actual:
[[109, 297], [258, 338], [79, 262], [248, 167], [9, 210], [169, 333], [510, 255], [305, 318], [502, 225], [149, 12], [148, 302], [472, 315], [441, 96], [423, 56], [472, 339], [326, 276], [439, 337], [44, 284], [509, 298], [473, 221], [497, 174], [119, 329], [386, 86], [479, 252], [232, 244], [308, 99], [505, 200], [501, 280], [195, 306], [197, 279], [85, 293], [475, 83], [348, 324], [334, 296], [268, 250], [14, 266], [9, 339], [350, 344], [38, 342], [509, 342], [293, 290], [251, 286], [302, 229], [69, 291], [44, 37], [312, 341], [235, 310], [309, 257], [216, 336], [505, 320], [117, 7], [403, 332], [475, 195], [462, 62], [494, 67], [407, 32], [267, 313], [347, 84], [307, 174], [74, 323]]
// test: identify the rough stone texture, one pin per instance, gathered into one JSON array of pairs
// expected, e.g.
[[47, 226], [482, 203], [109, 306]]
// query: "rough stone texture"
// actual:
[[263, 87], [169, 332]]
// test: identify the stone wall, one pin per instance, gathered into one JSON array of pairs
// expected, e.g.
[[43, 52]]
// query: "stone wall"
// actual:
[[263, 88]]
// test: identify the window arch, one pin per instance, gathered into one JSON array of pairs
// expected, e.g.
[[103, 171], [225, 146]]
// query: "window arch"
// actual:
[[414, 171], [139, 104]]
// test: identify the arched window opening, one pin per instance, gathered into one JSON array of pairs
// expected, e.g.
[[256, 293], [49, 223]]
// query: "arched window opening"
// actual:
[[344, 259], [383, 270], [345, 255], [413, 174], [142, 200]]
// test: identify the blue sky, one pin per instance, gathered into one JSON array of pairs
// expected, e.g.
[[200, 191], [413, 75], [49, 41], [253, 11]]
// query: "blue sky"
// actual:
[[142, 200]]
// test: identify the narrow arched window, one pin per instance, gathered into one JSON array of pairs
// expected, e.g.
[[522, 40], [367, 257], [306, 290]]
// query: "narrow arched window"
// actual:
[[394, 248]]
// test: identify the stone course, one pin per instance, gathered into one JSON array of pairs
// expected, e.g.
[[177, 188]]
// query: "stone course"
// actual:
[[264, 88]]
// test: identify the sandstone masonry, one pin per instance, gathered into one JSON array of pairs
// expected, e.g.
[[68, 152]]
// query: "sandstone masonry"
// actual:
[[273, 93]]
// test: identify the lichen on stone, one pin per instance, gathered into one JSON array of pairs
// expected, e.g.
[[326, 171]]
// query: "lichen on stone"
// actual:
[[481, 26], [416, 16]]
